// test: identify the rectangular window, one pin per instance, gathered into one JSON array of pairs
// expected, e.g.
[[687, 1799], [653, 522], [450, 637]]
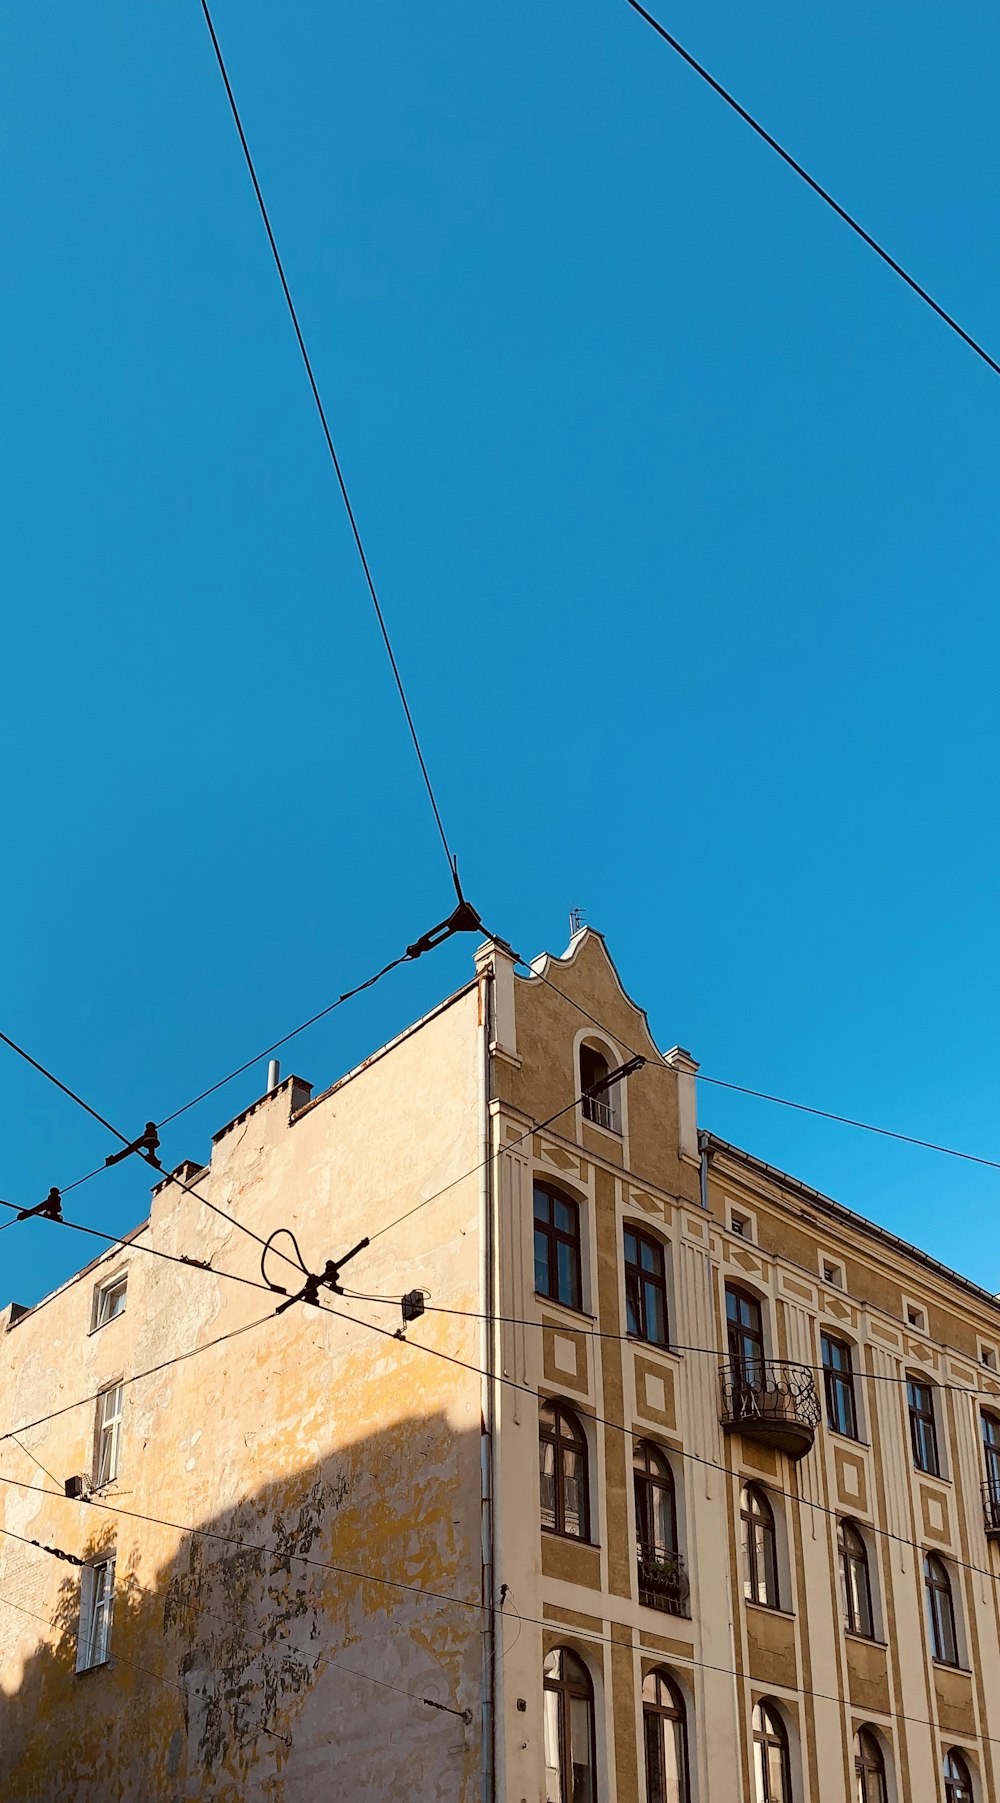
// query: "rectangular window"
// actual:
[[923, 1432], [97, 1602], [109, 1421], [557, 1246], [109, 1301], [838, 1382]]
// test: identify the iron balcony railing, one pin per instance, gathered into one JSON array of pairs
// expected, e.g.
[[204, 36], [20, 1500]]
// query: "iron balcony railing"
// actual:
[[769, 1393], [991, 1504], [663, 1581], [595, 1108]]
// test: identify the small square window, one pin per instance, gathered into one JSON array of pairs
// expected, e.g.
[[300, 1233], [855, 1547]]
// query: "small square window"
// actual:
[[832, 1271], [987, 1356], [740, 1224], [916, 1317], [109, 1300]]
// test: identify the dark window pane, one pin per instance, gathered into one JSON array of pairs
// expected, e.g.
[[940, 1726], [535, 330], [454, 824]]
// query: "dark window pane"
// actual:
[[543, 1284]]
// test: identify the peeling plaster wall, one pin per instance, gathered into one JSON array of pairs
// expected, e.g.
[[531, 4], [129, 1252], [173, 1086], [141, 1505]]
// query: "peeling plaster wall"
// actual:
[[236, 1669]]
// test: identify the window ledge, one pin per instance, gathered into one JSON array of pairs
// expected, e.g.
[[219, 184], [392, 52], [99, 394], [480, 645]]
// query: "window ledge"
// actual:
[[946, 1665], [574, 1539], [634, 1340], [938, 1476], [99, 1665], [852, 1439], [865, 1639], [579, 1314], [609, 1132], [99, 1325], [769, 1608]]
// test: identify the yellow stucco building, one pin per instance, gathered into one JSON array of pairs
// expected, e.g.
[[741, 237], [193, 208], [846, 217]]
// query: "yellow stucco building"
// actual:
[[684, 1487]]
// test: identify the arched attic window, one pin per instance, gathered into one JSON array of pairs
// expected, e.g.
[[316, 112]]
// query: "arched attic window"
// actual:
[[603, 1109]]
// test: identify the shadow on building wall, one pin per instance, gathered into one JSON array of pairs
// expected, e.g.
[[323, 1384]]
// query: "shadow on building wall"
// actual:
[[238, 1673]]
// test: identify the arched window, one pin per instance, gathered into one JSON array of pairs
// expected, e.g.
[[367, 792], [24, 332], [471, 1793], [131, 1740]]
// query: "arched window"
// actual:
[[991, 1454], [957, 1783], [760, 1562], [663, 1582], [923, 1430], [645, 1287], [869, 1767], [664, 1723], [602, 1108], [745, 1338], [940, 1610], [569, 1730], [855, 1580], [562, 1469], [557, 1246], [770, 1756]]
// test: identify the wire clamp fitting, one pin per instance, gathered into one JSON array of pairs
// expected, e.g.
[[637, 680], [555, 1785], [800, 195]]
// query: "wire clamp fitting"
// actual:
[[463, 919], [624, 1070], [327, 1279], [147, 1145], [49, 1210]]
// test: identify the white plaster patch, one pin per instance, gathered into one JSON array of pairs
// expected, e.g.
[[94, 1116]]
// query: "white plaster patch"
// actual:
[[935, 1514], [849, 1480], [190, 1465], [656, 1392], [564, 1354]]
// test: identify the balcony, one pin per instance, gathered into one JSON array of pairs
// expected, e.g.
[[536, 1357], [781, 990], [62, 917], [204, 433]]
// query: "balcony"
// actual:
[[598, 1109], [663, 1581], [773, 1402], [991, 1506]]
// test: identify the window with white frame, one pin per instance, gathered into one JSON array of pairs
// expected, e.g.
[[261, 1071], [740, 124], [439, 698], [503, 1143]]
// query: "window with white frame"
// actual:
[[109, 1422], [109, 1299], [97, 1602]]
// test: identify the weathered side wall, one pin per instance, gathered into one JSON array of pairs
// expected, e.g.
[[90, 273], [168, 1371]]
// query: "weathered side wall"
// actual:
[[240, 1674]]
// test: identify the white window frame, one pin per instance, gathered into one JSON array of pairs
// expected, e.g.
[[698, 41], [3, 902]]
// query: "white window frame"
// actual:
[[741, 1222], [104, 1296], [107, 1449], [828, 1263], [97, 1606]]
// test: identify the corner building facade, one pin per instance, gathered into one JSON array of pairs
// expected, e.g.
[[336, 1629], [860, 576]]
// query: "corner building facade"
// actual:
[[700, 1505]]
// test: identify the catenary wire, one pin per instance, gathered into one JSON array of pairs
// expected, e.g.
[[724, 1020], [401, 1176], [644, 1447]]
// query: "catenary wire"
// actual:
[[629, 1339], [119, 1658], [619, 1427], [335, 460], [132, 1243], [79, 1402], [479, 1605], [276, 1044], [812, 183], [844, 1120], [324, 1659]]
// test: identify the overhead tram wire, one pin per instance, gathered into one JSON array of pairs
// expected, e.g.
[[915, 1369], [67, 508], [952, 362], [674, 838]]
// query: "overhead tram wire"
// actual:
[[630, 1339], [811, 182], [619, 1427], [478, 1606], [324, 1659], [463, 919], [328, 435], [825, 1114]]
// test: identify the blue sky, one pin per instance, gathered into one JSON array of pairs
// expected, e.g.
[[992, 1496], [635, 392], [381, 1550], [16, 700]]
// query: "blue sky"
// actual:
[[683, 515]]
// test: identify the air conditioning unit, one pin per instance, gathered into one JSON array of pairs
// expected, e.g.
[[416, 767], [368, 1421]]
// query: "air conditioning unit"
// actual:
[[77, 1488]]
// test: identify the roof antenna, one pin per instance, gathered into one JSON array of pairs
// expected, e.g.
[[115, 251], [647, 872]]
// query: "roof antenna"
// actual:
[[576, 921]]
